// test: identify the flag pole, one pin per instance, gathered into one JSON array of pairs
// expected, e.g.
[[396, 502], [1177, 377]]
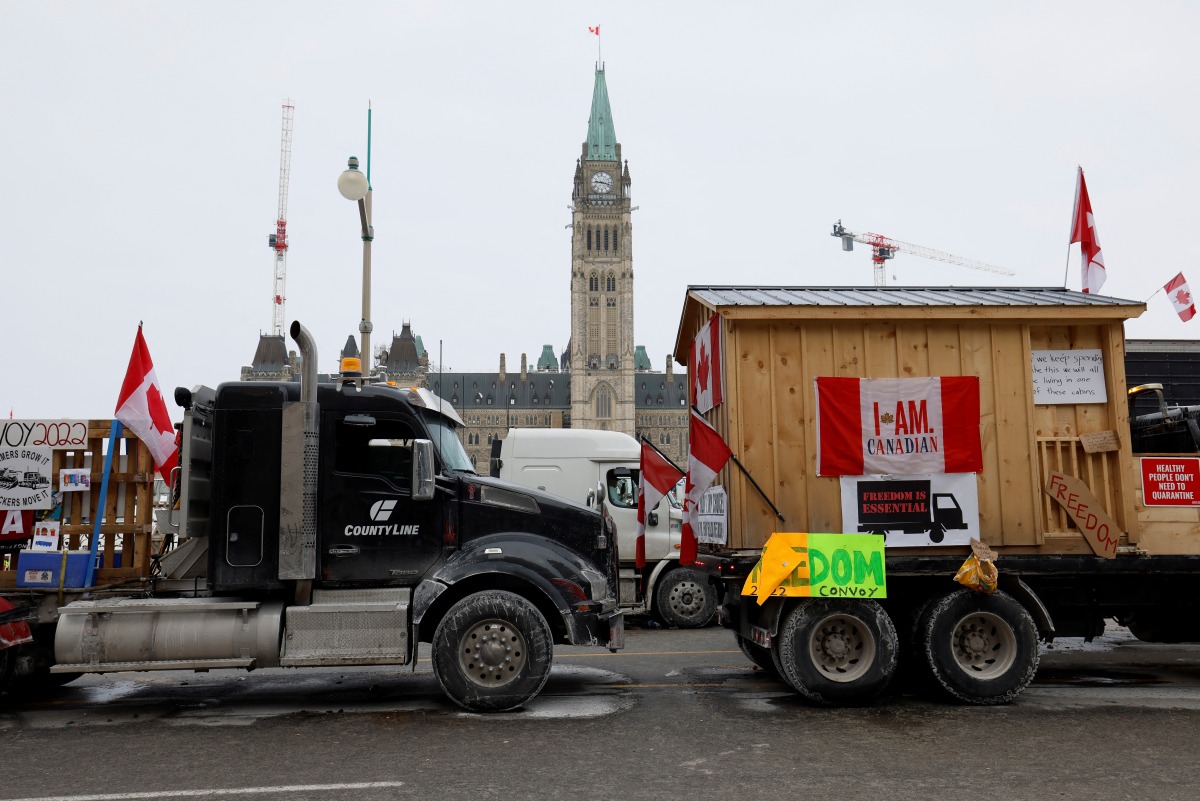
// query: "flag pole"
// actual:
[[754, 484], [665, 458], [114, 442], [1067, 268], [1147, 300], [749, 477]]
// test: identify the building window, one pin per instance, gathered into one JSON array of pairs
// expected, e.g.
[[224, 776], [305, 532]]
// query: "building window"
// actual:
[[615, 246], [606, 239], [593, 283], [589, 244], [611, 283], [603, 404]]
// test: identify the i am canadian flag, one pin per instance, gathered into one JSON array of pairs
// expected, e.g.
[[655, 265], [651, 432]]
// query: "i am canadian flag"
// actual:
[[704, 366], [898, 426]]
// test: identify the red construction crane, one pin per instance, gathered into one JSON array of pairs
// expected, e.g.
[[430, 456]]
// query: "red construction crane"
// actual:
[[278, 240], [884, 248]]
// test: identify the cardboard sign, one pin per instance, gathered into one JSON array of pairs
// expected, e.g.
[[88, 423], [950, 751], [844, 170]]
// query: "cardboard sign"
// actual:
[[1068, 376], [1101, 531], [1171, 481], [819, 566], [1100, 442]]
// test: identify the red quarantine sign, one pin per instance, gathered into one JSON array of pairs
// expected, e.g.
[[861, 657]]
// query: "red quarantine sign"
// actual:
[[1170, 481]]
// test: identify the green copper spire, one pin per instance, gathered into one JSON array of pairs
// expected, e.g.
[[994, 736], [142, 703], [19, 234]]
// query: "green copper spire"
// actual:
[[602, 138]]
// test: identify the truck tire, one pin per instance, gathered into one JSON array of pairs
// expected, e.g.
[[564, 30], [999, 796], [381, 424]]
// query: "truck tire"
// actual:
[[685, 599], [980, 649], [838, 652], [759, 656], [492, 652]]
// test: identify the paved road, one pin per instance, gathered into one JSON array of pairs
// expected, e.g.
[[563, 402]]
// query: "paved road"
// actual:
[[677, 714]]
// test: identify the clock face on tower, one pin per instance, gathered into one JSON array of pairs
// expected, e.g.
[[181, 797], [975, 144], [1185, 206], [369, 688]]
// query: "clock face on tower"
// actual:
[[602, 182]]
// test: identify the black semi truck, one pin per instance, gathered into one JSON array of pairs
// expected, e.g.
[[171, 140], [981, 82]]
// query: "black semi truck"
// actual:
[[342, 524]]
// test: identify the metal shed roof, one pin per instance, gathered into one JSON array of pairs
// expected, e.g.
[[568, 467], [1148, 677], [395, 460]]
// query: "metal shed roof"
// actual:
[[873, 302]]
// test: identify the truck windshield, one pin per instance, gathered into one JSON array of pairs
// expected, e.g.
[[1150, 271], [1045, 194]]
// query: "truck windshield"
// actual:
[[448, 445]]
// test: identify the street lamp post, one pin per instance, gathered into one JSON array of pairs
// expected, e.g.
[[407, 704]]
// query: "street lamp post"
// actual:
[[354, 185]]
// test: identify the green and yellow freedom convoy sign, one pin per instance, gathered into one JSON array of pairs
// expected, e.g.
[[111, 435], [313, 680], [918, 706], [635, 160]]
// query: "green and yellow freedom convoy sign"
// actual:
[[819, 566]]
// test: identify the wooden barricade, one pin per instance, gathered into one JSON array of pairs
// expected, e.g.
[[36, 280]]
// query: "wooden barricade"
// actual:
[[127, 520]]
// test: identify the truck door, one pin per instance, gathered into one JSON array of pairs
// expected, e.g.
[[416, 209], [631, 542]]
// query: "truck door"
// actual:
[[621, 484], [371, 530]]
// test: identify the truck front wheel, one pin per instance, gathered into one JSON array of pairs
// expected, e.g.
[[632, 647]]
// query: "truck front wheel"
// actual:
[[492, 652], [685, 599], [837, 652], [981, 649]]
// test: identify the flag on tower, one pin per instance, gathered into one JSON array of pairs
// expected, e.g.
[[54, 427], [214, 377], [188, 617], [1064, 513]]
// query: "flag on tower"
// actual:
[[142, 410], [595, 30], [1181, 297], [707, 456], [1083, 231], [704, 366], [656, 478]]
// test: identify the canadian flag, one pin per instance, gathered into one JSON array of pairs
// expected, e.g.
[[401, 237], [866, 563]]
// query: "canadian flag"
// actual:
[[898, 426], [707, 456], [1083, 231], [656, 478], [1177, 290], [705, 366], [595, 30], [142, 410]]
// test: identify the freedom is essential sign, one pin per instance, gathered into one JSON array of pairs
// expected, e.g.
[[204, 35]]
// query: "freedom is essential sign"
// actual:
[[898, 426]]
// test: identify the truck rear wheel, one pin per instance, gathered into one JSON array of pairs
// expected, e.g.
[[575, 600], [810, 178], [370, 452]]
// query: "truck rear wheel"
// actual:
[[685, 599], [492, 652], [837, 652], [981, 649]]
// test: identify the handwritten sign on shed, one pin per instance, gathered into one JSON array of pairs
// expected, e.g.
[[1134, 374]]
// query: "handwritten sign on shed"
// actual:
[[1068, 376]]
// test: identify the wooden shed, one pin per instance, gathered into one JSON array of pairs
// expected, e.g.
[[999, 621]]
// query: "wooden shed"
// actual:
[[777, 340]]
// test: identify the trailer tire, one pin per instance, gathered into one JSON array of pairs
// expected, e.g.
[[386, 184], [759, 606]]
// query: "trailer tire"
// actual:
[[760, 656], [838, 652], [683, 598], [980, 649], [492, 652]]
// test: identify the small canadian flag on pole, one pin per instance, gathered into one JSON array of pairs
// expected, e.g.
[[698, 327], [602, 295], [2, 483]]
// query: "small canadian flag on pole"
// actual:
[[1181, 297], [595, 30], [142, 410]]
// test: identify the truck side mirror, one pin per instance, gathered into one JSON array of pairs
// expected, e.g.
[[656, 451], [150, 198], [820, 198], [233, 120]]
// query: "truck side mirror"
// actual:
[[591, 498], [422, 474]]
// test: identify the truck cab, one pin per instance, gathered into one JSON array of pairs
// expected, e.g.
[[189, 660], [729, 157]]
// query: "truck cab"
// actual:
[[572, 463]]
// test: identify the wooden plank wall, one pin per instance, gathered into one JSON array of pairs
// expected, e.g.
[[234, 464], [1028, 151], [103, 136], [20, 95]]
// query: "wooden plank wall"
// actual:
[[128, 517], [770, 367]]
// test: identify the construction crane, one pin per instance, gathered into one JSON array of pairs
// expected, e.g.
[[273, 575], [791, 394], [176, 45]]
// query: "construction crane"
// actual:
[[278, 240], [884, 248]]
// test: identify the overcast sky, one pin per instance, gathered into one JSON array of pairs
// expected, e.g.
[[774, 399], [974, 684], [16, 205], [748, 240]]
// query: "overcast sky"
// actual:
[[140, 165]]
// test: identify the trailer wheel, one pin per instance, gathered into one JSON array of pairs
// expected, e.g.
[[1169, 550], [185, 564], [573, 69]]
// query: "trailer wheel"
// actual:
[[981, 649], [759, 656], [492, 652], [685, 599], [836, 652]]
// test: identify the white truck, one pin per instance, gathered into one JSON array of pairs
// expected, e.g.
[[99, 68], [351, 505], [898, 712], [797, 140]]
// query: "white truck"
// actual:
[[572, 463]]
